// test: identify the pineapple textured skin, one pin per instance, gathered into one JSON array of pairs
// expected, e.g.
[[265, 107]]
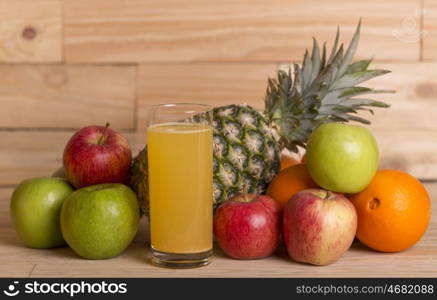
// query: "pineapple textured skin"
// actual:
[[246, 151]]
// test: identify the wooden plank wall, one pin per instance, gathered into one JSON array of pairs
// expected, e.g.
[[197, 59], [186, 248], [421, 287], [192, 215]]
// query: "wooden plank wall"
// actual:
[[70, 63]]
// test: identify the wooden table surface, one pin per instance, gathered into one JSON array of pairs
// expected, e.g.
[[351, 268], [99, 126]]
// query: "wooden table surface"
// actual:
[[18, 261]]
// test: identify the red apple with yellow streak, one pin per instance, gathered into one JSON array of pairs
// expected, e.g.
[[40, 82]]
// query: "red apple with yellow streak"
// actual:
[[319, 226], [97, 154]]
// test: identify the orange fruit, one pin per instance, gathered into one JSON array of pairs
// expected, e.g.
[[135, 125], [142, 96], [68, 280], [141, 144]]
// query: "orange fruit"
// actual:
[[393, 211], [289, 182], [288, 161]]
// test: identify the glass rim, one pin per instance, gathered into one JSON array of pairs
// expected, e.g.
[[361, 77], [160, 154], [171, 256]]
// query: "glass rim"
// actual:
[[158, 113], [175, 104]]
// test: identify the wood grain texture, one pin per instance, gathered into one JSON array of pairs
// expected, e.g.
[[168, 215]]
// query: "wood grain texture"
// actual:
[[61, 96], [429, 29], [30, 31], [231, 30], [412, 151], [214, 84], [359, 261], [414, 103], [5, 195], [30, 154]]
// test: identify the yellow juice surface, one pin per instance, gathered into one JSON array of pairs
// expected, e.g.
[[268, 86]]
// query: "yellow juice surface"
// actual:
[[180, 187]]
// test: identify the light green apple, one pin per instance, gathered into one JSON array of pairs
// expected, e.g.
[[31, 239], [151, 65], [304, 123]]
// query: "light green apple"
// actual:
[[100, 221], [342, 158], [35, 210], [60, 173]]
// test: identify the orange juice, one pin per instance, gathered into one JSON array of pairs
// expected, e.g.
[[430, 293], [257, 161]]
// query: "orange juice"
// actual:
[[180, 187]]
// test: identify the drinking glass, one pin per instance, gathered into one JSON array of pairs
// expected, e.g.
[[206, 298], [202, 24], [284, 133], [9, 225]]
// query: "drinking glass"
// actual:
[[180, 163]]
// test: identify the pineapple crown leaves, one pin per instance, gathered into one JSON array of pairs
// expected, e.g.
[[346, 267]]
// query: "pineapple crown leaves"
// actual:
[[324, 89]]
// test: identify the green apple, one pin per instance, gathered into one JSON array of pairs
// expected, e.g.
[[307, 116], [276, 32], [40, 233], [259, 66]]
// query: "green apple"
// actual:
[[60, 173], [35, 210], [100, 221], [342, 158]]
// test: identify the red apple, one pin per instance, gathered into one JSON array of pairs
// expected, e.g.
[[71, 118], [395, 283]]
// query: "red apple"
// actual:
[[318, 226], [248, 226], [97, 154]]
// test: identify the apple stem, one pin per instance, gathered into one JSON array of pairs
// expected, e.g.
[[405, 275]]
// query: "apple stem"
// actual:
[[245, 198], [102, 137]]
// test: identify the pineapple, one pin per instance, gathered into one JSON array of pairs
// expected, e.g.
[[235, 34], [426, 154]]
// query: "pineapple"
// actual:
[[248, 143]]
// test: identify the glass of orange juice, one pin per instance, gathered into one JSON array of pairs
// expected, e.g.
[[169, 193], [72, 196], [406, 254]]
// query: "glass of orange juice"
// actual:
[[180, 162]]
